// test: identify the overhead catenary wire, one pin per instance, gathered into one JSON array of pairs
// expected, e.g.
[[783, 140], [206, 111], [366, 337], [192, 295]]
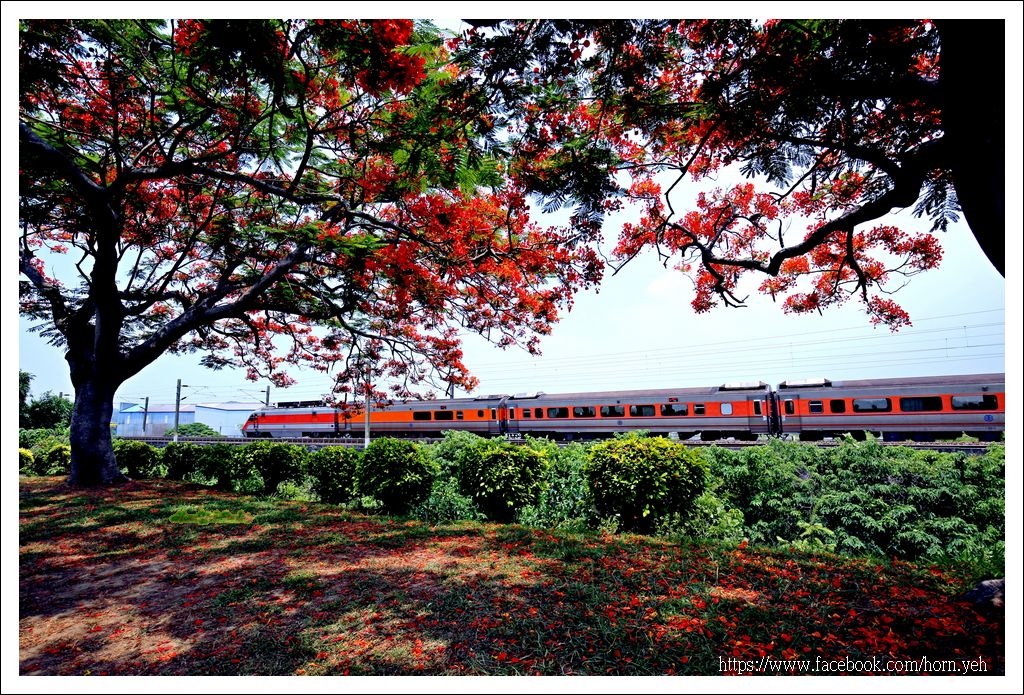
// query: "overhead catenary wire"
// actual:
[[939, 348]]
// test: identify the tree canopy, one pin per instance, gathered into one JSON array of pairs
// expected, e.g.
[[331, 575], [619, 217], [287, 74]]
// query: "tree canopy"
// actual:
[[834, 124], [348, 194], [229, 186]]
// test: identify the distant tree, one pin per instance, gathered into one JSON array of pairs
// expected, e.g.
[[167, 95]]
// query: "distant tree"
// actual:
[[48, 412], [194, 429], [836, 122], [24, 386], [225, 185]]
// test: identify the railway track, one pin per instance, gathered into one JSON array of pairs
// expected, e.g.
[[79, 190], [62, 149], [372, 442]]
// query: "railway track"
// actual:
[[319, 442]]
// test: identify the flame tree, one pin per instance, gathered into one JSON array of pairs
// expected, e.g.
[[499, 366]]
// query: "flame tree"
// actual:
[[272, 192], [266, 193], [834, 123]]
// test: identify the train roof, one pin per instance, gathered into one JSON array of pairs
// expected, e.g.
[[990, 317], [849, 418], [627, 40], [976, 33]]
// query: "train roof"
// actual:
[[693, 391], [962, 380]]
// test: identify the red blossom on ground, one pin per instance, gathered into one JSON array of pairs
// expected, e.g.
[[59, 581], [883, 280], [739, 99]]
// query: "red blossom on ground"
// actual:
[[314, 590]]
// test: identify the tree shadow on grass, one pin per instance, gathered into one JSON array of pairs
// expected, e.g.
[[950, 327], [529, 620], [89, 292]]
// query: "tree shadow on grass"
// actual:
[[346, 594]]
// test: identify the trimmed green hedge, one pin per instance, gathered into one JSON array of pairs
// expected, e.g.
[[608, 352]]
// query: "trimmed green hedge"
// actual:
[[397, 473], [642, 480], [137, 460], [500, 477], [333, 471]]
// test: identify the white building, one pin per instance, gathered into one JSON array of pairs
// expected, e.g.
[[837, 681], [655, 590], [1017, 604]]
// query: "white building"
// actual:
[[158, 418], [226, 418]]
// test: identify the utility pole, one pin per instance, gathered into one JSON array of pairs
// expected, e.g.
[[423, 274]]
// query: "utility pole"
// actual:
[[366, 410], [177, 410], [145, 416], [266, 401]]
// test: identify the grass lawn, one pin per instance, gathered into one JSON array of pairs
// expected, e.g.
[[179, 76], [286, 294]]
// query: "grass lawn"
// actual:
[[165, 578]]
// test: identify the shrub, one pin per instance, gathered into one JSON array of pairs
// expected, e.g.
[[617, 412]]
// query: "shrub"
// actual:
[[295, 490], [447, 451], [55, 461], [397, 473], [275, 462], [640, 480], [710, 519], [29, 438], [181, 459], [44, 440], [501, 478], [26, 462], [913, 504], [137, 460], [862, 498], [565, 500], [775, 487], [445, 503], [230, 471], [333, 470]]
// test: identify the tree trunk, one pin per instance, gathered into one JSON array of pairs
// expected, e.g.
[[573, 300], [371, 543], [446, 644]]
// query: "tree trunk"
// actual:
[[92, 446], [973, 118]]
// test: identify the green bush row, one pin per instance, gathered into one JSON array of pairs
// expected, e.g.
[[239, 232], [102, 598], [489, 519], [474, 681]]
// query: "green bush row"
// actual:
[[859, 498], [862, 498]]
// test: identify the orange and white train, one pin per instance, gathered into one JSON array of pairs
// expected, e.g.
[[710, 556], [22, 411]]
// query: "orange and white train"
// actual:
[[914, 408]]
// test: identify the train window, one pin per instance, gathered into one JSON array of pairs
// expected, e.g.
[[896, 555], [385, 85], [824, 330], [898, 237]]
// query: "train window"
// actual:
[[558, 412], [641, 411], [538, 412], [790, 406], [757, 407], [584, 411], [669, 409], [921, 404], [511, 413], [479, 413], [983, 402], [727, 409], [815, 407], [612, 411], [421, 415], [444, 415], [698, 408], [526, 412], [877, 405], [494, 413], [459, 414], [837, 405]]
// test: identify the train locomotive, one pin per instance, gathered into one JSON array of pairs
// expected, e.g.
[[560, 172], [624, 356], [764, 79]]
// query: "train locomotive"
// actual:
[[912, 408]]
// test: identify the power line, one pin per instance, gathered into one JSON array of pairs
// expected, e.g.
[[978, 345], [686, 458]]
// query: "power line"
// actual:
[[758, 344], [917, 346]]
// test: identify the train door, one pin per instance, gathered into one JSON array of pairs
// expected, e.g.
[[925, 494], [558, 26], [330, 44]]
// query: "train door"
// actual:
[[759, 420], [499, 418], [787, 404]]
